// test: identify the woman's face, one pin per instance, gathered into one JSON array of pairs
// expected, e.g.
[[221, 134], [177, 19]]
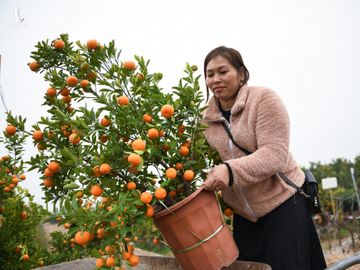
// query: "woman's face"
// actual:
[[223, 79]]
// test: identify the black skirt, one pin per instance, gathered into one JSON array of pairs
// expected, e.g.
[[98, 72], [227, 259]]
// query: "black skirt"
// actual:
[[285, 239]]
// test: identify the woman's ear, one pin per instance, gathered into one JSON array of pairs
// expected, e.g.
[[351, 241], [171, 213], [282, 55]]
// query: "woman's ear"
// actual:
[[241, 76]]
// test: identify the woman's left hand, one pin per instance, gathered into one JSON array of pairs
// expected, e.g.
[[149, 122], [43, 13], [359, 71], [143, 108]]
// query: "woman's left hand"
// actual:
[[217, 179]]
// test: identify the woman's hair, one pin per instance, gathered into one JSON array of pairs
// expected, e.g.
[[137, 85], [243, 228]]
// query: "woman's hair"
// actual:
[[234, 58]]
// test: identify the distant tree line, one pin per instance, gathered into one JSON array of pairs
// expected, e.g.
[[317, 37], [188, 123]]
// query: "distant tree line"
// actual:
[[344, 195]]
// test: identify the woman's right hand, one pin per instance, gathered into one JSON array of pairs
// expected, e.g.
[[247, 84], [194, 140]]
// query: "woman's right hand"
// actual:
[[217, 179]]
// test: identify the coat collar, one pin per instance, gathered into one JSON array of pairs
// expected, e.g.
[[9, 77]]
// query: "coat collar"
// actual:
[[213, 112]]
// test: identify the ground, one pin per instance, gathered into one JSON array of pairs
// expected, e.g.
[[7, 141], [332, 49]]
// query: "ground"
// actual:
[[333, 255]]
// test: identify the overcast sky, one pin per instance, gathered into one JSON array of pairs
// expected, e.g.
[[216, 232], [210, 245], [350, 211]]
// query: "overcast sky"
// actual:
[[307, 51]]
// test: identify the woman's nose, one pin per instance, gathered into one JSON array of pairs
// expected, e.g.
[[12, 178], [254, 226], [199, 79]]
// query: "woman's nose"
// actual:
[[216, 78]]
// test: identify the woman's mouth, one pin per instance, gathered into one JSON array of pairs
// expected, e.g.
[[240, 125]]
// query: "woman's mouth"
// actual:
[[219, 89]]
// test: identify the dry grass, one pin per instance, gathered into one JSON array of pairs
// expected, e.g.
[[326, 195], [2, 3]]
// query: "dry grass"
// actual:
[[334, 252], [336, 256]]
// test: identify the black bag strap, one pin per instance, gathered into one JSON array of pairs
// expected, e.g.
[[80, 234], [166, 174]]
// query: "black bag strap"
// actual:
[[281, 175], [247, 152]]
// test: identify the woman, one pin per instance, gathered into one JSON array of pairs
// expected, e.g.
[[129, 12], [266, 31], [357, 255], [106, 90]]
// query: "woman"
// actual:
[[272, 223]]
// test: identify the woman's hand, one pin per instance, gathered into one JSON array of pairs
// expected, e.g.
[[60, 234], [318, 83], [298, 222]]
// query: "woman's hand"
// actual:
[[217, 179]]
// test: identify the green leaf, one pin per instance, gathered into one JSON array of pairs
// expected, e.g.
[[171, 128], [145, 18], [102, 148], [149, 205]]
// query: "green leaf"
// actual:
[[67, 154], [67, 205], [95, 253], [59, 113], [71, 186], [74, 202]]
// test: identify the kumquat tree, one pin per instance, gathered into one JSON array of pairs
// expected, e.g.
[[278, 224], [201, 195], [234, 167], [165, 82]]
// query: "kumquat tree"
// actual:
[[19, 215], [114, 147]]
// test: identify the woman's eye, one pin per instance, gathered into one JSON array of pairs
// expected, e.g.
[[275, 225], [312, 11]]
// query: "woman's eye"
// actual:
[[210, 75]]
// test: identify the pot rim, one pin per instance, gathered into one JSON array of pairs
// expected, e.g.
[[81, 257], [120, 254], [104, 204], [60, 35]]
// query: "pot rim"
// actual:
[[174, 207]]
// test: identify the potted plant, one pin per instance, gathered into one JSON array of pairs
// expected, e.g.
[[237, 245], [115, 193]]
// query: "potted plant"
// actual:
[[114, 147]]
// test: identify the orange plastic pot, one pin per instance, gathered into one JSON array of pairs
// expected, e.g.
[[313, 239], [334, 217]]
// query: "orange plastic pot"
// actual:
[[196, 232]]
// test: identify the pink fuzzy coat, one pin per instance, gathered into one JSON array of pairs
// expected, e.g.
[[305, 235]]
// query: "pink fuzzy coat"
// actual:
[[259, 123]]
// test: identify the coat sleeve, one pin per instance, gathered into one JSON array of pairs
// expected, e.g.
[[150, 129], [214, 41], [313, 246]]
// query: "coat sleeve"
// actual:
[[272, 131]]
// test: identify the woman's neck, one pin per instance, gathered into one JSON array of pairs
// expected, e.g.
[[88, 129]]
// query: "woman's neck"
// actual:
[[226, 105]]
